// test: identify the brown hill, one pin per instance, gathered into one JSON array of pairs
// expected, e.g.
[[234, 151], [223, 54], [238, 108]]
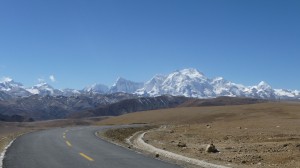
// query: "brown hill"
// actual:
[[221, 101], [192, 115]]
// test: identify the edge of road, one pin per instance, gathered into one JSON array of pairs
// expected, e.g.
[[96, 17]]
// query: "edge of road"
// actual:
[[136, 143], [2, 155]]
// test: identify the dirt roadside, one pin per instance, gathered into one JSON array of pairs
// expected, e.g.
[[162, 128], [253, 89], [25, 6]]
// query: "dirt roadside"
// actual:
[[242, 147], [262, 135]]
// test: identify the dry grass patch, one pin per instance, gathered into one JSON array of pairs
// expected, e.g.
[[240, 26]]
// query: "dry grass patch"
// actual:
[[10, 131], [257, 135], [194, 115], [119, 135]]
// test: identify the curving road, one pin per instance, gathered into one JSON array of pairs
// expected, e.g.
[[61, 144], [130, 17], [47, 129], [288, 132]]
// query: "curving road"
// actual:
[[76, 147]]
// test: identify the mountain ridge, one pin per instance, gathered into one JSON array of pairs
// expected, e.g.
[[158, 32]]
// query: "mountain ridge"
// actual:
[[186, 82]]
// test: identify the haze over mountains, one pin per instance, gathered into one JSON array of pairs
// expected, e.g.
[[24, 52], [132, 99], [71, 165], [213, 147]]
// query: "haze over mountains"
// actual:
[[186, 82]]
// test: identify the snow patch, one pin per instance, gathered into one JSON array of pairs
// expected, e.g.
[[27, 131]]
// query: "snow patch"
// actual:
[[33, 91]]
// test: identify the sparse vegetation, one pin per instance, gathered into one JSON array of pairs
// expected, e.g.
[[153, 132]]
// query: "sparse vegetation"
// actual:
[[256, 135], [10, 131], [120, 134]]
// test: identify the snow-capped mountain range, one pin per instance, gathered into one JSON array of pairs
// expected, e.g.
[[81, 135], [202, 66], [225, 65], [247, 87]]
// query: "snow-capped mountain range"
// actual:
[[192, 83], [186, 82]]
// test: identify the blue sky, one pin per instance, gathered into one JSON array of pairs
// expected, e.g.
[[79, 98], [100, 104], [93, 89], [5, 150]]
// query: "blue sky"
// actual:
[[81, 42]]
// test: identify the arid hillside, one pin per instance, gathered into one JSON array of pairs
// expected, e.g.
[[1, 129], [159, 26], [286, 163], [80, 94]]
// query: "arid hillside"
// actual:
[[197, 115], [256, 135]]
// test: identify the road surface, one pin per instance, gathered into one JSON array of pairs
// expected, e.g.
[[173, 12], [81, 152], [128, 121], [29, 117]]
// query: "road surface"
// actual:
[[76, 147]]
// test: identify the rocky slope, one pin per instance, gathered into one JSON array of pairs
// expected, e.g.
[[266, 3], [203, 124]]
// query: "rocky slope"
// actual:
[[57, 107], [134, 105]]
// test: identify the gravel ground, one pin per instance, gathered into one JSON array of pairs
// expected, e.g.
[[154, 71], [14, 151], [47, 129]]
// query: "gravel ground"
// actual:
[[140, 144], [258, 135], [240, 144]]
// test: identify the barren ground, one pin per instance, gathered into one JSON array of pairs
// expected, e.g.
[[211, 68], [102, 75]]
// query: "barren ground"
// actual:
[[260, 135]]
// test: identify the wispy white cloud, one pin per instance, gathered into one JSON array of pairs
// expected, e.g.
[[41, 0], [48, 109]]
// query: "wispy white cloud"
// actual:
[[52, 78], [41, 80]]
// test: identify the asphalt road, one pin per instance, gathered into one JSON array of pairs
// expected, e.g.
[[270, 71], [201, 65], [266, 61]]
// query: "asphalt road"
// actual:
[[76, 147]]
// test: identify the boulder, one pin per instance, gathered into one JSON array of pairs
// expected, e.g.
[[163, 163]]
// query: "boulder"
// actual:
[[181, 144], [211, 149]]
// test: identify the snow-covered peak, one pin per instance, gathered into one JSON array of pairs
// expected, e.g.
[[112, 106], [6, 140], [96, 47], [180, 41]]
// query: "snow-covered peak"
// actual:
[[192, 73], [263, 85], [192, 83], [296, 92], [157, 79], [6, 80], [120, 80], [44, 89], [124, 85], [70, 92], [43, 85], [14, 89], [219, 80], [96, 88], [152, 87], [8, 84], [187, 82], [284, 93], [186, 76]]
